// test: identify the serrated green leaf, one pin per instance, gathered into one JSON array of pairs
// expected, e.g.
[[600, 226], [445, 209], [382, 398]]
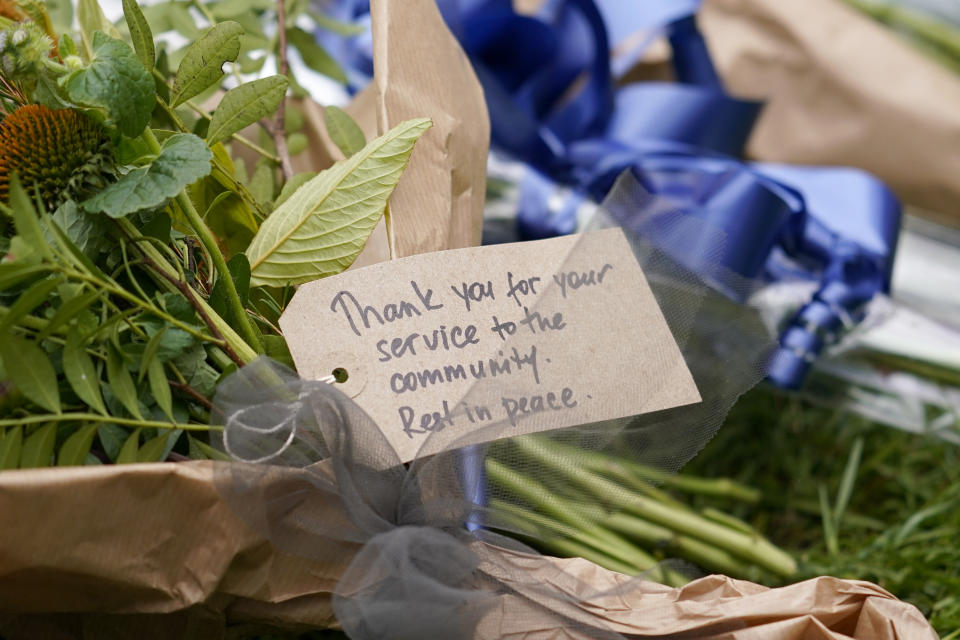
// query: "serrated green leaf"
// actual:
[[343, 130], [315, 56], [38, 447], [244, 105], [202, 65], [88, 233], [322, 228], [10, 446], [140, 33], [157, 449], [30, 370], [290, 186], [121, 382], [91, 19], [116, 81], [183, 159], [81, 373], [74, 450], [130, 450], [37, 294], [160, 387]]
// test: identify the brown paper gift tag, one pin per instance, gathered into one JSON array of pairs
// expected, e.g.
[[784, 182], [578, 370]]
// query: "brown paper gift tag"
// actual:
[[531, 336]]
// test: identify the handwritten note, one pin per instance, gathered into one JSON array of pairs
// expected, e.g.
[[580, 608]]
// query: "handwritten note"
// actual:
[[533, 336]]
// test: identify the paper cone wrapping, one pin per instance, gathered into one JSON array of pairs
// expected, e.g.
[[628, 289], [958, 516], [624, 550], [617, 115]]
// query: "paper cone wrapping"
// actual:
[[841, 90], [154, 551]]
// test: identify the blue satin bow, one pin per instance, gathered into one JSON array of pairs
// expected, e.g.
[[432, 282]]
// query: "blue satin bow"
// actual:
[[551, 91]]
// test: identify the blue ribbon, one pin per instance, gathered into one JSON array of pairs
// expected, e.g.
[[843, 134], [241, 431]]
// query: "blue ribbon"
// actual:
[[554, 103]]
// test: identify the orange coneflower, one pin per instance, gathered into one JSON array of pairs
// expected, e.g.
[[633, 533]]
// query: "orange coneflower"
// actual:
[[58, 154]]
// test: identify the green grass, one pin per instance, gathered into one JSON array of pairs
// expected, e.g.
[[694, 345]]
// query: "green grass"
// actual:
[[900, 526]]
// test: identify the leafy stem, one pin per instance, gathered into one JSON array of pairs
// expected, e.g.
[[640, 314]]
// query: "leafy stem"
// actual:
[[96, 417], [210, 244]]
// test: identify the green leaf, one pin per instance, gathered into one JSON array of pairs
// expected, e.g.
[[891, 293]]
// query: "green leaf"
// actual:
[[81, 373], [38, 448], [200, 449], [121, 382], [344, 131], [183, 159], [181, 20], [297, 143], [140, 33], [262, 183], [150, 351], [88, 233], [239, 269], [74, 450], [157, 449], [37, 294], [244, 105], [315, 56], [322, 228], [160, 387], [130, 450], [116, 81], [112, 438], [10, 446], [30, 370], [202, 65], [91, 20], [276, 347]]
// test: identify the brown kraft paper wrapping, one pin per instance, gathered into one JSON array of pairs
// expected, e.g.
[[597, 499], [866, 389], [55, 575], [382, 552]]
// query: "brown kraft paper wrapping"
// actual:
[[154, 539]]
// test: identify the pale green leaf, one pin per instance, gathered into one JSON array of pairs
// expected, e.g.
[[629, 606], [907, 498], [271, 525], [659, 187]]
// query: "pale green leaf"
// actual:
[[202, 65], [244, 105], [80, 372], [262, 183], [38, 447], [343, 130], [315, 56], [91, 19], [140, 33], [160, 387], [73, 452], [297, 143], [130, 450], [10, 446], [116, 81], [30, 370], [121, 383], [150, 351], [183, 160], [322, 228]]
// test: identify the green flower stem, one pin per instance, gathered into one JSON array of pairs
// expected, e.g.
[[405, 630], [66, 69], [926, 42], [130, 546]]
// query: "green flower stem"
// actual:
[[210, 244], [96, 417], [567, 513], [748, 547], [169, 275]]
